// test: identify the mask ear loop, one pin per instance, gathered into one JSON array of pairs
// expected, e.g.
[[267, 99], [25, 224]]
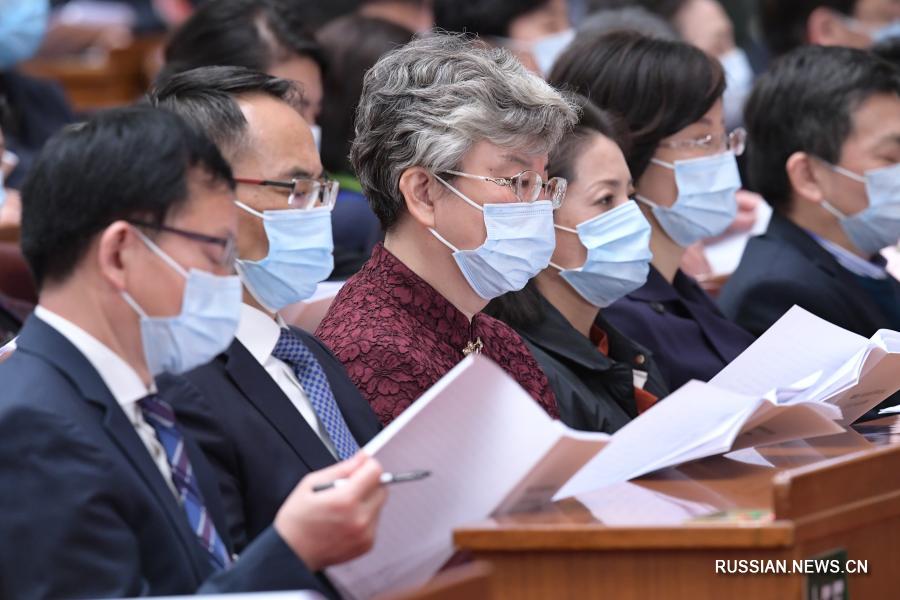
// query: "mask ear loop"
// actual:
[[159, 252], [253, 212], [459, 193]]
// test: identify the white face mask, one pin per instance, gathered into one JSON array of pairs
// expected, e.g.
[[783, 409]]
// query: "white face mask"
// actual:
[[520, 241], [317, 136], [547, 49], [739, 77]]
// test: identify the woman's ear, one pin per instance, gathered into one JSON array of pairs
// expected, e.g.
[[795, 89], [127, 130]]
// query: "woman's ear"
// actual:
[[417, 187], [114, 252], [805, 177]]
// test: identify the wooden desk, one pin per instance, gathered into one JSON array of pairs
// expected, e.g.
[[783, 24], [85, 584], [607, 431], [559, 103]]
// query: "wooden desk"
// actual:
[[660, 536]]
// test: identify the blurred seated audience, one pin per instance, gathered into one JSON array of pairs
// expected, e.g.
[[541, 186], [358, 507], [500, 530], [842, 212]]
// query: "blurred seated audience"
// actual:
[[824, 151], [36, 109], [352, 44], [686, 180], [628, 18], [536, 31], [451, 150], [601, 378], [852, 23]]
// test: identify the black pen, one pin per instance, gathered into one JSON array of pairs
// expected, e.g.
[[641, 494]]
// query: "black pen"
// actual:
[[386, 479]]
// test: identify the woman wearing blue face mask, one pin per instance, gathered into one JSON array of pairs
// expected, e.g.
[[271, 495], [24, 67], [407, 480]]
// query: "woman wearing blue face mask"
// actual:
[[683, 163], [602, 379]]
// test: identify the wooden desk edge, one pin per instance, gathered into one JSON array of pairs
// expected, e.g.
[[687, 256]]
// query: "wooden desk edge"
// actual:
[[491, 536]]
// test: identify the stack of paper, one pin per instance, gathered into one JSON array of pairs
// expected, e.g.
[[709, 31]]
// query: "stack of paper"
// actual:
[[803, 358], [490, 448], [697, 421]]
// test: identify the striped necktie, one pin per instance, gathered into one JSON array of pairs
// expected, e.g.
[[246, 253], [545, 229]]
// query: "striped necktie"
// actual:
[[159, 415]]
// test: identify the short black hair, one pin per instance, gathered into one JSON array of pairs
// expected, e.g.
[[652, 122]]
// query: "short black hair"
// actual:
[[889, 50], [805, 103], [352, 44], [784, 22], [256, 34], [657, 86], [523, 309], [124, 163], [487, 18], [667, 9], [205, 99]]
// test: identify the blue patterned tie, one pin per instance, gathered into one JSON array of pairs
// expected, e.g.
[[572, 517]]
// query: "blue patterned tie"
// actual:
[[159, 415], [294, 352]]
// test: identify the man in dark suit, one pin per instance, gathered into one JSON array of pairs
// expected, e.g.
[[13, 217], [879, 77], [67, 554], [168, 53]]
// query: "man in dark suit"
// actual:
[[128, 228], [277, 404], [824, 150]]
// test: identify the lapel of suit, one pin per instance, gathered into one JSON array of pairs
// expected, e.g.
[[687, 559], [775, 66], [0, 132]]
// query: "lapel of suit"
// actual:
[[359, 416], [43, 340], [851, 290], [262, 392]]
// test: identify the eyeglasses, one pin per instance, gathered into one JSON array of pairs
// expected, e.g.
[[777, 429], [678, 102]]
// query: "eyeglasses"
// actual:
[[228, 245], [528, 186], [736, 141], [306, 192]]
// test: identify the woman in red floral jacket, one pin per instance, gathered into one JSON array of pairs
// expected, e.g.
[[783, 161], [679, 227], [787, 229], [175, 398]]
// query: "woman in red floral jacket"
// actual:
[[451, 150]]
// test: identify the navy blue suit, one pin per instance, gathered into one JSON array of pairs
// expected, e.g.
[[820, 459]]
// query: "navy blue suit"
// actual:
[[680, 324], [786, 266], [84, 510], [257, 441]]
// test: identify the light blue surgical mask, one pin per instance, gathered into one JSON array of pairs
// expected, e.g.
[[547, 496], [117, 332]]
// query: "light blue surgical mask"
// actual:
[[618, 257], [547, 49], [301, 255], [205, 327], [707, 198], [877, 226], [888, 32], [2, 191], [739, 76], [23, 24], [520, 241]]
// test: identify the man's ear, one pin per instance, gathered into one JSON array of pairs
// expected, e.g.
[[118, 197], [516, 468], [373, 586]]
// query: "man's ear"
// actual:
[[805, 176], [115, 250], [824, 28], [417, 187]]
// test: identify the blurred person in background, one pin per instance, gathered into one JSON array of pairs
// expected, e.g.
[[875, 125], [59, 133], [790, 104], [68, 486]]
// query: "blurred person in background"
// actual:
[[352, 44], [37, 108], [853, 23], [627, 18], [536, 31], [414, 15]]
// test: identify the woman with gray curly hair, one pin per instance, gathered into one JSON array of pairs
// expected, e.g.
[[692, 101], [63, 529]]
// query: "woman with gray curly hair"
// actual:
[[451, 148]]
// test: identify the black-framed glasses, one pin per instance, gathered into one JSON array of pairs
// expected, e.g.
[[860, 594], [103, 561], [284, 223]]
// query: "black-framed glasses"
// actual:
[[228, 244], [306, 192], [528, 186]]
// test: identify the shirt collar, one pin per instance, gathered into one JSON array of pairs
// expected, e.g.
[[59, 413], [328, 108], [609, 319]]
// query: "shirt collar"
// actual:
[[122, 380], [656, 289], [853, 263], [258, 332]]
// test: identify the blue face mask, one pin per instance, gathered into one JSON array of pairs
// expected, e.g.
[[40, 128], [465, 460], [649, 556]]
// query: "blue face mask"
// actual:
[[300, 256], [618, 257], [210, 312], [707, 201], [519, 244], [547, 49], [888, 32], [877, 226], [23, 24]]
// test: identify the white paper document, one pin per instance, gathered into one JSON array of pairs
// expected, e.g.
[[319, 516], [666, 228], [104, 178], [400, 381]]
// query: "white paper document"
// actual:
[[803, 358], [697, 421], [491, 449]]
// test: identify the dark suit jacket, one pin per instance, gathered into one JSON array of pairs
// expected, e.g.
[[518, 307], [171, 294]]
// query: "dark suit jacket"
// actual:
[[786, 266], [594, 392], [85, 511], [680, 324], [257, 441]]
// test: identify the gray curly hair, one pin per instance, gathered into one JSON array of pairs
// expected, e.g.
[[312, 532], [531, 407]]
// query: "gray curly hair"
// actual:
[[427, 103]]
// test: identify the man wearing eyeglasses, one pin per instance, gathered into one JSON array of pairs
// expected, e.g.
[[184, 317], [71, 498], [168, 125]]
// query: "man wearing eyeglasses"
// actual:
[[128, 227], [276, 404]]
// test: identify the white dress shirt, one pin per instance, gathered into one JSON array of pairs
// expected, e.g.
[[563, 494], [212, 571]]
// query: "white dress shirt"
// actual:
[[259, 333], [121, 380]]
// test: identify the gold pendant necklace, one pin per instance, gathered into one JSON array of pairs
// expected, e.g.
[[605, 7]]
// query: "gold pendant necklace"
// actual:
[[473, 347]]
